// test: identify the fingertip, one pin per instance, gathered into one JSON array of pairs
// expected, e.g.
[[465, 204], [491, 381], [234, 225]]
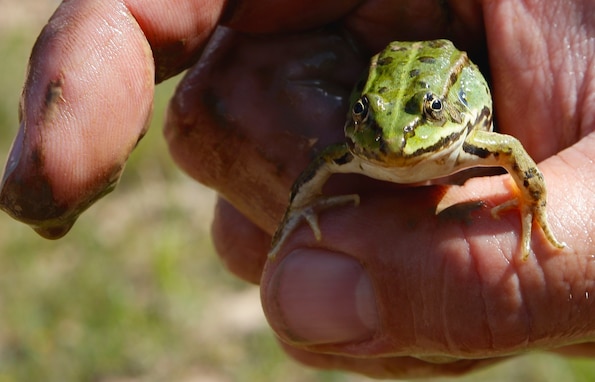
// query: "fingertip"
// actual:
[[55, 231]]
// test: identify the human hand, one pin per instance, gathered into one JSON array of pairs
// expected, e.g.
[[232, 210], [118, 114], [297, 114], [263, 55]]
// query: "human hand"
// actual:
[[431, 293], [396, 294]]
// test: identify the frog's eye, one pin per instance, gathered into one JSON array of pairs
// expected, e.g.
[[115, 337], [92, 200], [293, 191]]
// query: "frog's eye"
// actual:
[[433, 106], [359, 112], [433, 103], [436, 105]]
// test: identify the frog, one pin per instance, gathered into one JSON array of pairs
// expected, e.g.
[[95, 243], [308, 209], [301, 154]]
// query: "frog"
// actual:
[[422, 111]]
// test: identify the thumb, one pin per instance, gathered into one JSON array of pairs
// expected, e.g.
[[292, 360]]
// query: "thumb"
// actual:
[[82, 88], [391, 278], [87, 101]]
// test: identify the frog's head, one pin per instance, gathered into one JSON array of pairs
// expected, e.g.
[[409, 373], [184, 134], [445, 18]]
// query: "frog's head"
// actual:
[[418, 100], [379, 133]]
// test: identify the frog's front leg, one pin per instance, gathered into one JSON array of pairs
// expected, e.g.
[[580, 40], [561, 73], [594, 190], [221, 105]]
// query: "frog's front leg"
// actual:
[[486, 148], [306, 194]]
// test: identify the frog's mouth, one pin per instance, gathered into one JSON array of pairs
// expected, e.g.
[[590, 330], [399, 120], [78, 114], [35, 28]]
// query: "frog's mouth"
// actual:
[[383, 154], [380, 154]]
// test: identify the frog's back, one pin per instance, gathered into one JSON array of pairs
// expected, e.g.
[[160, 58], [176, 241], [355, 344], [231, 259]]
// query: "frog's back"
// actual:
[[405, 70]]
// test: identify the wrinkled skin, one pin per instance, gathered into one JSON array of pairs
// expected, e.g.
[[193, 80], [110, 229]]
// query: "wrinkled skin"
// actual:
[[385, 293]]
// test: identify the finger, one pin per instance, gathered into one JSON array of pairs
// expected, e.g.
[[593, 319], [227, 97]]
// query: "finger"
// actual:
[[176, 31], [545, 70], [245, 129], [86, 103], [239, 243]]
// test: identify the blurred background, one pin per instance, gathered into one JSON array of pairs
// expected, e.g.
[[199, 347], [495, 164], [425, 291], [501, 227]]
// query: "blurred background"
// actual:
[[135, 291]]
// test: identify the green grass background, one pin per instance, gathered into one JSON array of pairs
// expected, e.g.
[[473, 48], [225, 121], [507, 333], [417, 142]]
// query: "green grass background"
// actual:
[[135, 291]]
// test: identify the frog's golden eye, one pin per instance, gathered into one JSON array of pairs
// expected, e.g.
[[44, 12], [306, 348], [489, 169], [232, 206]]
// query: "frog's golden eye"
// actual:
[[359, 112], [433, 106]]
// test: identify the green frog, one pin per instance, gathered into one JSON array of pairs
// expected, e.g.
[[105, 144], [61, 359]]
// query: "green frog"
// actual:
[[423, 111]]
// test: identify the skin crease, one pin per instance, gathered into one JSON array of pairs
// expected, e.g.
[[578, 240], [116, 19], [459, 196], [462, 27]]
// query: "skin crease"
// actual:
[[449, 292]]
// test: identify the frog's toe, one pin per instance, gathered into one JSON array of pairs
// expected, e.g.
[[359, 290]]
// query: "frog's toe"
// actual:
[[549, 235], [526, 228], [312, 218], [290, 222], [294, 215], [527, 214], [508, 205]]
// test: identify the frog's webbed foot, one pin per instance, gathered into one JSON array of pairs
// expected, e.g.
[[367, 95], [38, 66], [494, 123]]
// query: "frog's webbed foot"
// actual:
[[309, 212], [529, 213]]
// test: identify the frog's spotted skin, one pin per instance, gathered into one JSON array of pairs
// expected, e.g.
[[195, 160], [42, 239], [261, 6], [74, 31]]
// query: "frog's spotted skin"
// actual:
[[423, 112]]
